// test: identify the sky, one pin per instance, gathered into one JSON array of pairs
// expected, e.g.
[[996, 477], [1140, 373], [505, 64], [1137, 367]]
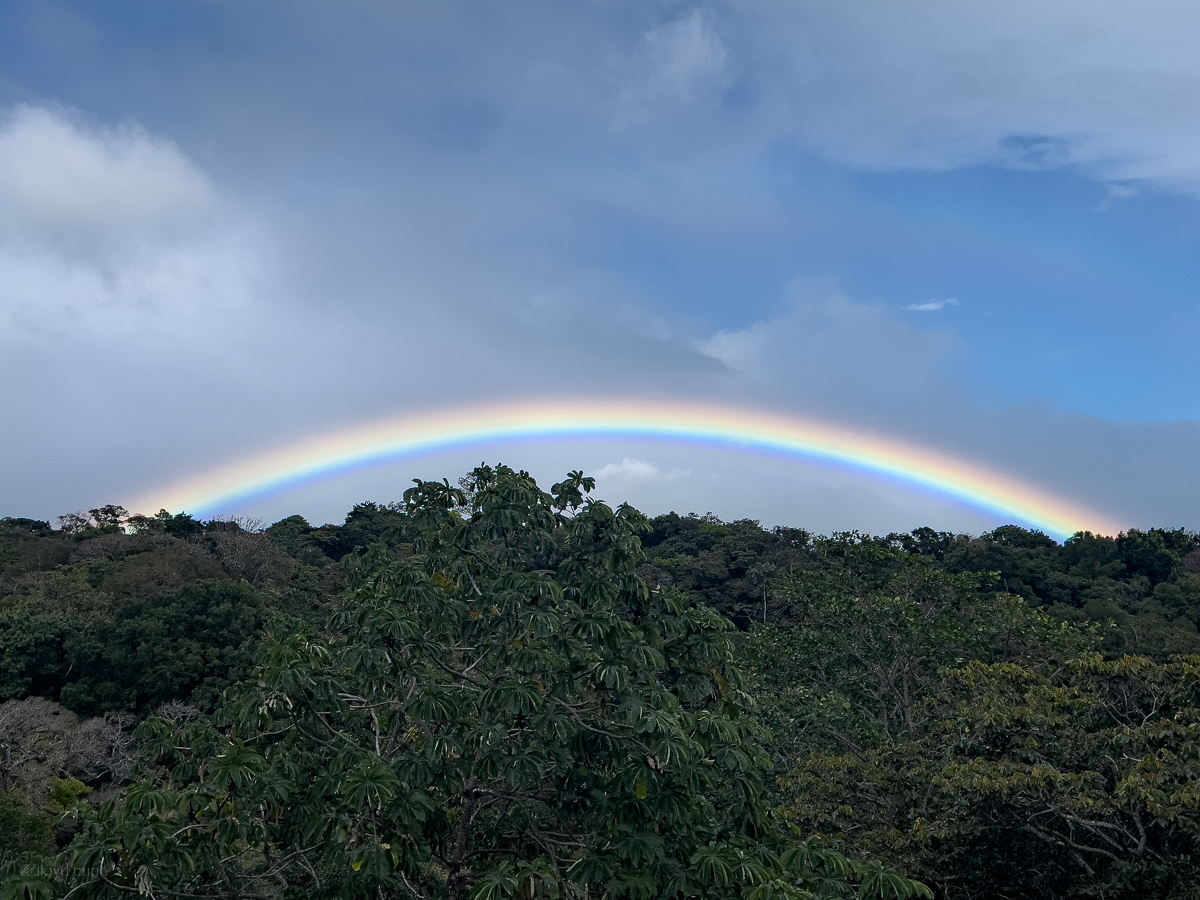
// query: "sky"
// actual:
[[226, 227]]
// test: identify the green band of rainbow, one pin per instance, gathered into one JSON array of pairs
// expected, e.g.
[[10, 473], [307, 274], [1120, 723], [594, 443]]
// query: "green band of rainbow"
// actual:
[[327, 456]]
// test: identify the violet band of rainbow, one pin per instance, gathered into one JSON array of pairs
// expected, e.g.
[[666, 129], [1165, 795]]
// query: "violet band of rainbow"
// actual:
[[321, 457]]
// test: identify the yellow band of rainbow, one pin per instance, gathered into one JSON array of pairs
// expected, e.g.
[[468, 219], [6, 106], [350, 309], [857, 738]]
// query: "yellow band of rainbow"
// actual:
[[408, 437]]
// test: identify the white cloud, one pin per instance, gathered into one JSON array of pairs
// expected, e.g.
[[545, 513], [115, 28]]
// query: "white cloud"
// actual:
[[679, 64], [932, 305], [1115, 192], [638, 470], [112, 232], [1110, 89], [63, 183], [828, 353]]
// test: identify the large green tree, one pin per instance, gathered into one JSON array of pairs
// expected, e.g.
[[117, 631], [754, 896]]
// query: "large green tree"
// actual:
[[506, 711]]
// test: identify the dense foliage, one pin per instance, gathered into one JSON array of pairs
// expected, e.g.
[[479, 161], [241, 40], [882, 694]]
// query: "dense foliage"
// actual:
[[954, 730], [491, 691]]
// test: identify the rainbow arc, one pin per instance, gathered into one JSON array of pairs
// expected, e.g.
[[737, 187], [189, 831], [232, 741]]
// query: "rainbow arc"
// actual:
[[328, 456]]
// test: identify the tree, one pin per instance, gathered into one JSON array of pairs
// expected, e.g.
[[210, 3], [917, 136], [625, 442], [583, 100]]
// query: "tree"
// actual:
[[1020, 781], [509, 711], [875, 629], [1093, 767], [186, 644], [726, 564], [27, 833]]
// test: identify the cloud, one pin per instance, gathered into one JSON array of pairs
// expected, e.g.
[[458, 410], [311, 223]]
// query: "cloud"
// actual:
[[64, 183], [112, 232], [1110, 89], [637, 470], [863, 365], [828, 354], [679, 63], [932, 305], [1115, 192]]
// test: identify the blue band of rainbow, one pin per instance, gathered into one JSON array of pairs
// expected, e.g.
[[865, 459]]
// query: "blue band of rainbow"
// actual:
[[326, 456]]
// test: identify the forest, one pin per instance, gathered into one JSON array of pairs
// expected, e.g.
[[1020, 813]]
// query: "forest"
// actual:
[[493, 690]]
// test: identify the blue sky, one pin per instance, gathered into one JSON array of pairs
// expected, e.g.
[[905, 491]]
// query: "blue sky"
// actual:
[[224, 226]]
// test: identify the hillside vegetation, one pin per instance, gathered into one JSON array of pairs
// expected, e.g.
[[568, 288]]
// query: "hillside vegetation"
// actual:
[[493, 690]]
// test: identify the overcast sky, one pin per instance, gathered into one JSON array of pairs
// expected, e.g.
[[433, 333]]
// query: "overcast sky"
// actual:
[[228, 225]]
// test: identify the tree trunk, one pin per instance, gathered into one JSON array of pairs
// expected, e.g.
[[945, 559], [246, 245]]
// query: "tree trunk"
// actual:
[[457, 883]]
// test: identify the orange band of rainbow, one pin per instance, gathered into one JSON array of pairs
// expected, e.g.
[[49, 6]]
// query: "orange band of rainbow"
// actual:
[[695, 424]]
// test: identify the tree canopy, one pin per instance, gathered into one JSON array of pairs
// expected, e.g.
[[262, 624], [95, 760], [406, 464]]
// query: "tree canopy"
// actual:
[[490, 690]]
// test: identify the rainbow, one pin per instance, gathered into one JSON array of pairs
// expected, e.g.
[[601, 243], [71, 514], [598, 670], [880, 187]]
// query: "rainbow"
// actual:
[[328, 456]]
